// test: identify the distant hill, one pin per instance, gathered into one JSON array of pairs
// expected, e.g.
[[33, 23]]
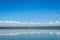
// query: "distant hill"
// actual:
[[33, 27]]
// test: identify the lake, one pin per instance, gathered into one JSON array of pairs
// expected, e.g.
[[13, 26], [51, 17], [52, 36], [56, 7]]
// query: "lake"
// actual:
[[29, 34]]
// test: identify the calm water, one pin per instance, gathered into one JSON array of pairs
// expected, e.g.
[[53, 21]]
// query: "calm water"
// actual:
[[31, 37], [19, 34]]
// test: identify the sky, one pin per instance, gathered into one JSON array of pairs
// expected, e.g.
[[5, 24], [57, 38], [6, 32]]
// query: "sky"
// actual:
[[30, 10]]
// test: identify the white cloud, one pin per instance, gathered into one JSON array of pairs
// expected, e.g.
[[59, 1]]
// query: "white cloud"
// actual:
[[13, 22], [0, 21], [50, 22], [17, 23], [24, 23], [57, 22], [31, 23], [38, 23]]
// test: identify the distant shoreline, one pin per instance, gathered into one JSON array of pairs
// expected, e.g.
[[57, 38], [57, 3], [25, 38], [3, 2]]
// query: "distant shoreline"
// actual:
[[33, 27]]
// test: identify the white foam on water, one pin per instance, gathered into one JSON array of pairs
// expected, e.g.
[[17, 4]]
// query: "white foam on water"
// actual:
[[51, 33], [57, 33], [17, 33]]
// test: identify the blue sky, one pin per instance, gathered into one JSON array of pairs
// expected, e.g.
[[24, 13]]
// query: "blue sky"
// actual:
[[30, 10]]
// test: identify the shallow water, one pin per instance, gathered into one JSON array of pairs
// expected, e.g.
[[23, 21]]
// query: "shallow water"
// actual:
[[28, 34], [25, 30], [30, 37]]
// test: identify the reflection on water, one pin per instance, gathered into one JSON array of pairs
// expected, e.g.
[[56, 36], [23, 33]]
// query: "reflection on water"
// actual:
[[29, 34], [27, 31]]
